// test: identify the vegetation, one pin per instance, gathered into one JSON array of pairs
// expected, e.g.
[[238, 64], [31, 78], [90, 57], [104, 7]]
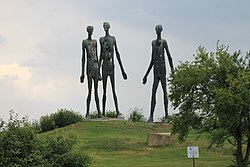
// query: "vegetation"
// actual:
[[61, 118], [21, 147], [93, 115], [110, 114], [213, 95], [136, 115]]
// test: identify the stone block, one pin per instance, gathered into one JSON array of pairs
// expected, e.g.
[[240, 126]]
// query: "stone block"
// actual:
[[159, 139]]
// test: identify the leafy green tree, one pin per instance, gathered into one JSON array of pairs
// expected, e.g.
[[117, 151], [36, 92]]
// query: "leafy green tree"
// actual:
[[213, 95]]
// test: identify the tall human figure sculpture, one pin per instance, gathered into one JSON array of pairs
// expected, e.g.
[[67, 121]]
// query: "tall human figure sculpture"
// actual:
[[108, 46], [89, 46], [158, 62]]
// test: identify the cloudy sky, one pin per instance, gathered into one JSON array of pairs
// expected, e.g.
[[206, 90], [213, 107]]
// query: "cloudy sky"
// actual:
[[40, 47]]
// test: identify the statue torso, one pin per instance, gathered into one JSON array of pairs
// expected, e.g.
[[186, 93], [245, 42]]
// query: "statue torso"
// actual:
[[159, 57]]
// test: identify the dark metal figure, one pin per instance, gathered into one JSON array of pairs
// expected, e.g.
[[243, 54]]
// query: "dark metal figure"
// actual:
[[89, 46], [108, 46], [158, 62]]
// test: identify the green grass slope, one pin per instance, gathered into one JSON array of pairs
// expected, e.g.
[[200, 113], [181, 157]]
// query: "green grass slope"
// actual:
[[123, 144]]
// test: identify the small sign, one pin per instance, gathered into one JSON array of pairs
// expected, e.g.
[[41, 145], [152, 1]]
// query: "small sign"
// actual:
[[193, 152]]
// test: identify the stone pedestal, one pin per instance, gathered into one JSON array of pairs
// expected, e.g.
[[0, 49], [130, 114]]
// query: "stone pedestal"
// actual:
[[159, 139]]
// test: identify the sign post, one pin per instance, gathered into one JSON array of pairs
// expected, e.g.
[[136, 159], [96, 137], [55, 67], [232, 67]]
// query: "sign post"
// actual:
[[193, 152]]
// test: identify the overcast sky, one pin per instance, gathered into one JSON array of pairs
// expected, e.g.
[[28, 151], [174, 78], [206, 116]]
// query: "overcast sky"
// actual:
[[40, 47]]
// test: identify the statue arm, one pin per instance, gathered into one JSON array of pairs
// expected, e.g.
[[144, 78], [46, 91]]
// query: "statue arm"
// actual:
[[149, 68], [119, 60], [100, 60], [83, 63], [101, 54], [169, 57]]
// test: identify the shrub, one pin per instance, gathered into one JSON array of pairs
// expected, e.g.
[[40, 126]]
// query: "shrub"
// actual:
[[47, 123], [72, 159], [18, 143], [21, 147], [136, 115], [58, 153], [93, 115], [75, 159], [35, 124], [61, 118], [110, 114], [64, 117]]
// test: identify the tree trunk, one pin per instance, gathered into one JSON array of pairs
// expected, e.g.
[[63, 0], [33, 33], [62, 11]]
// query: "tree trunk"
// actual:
[[239, 154], [246, 158]]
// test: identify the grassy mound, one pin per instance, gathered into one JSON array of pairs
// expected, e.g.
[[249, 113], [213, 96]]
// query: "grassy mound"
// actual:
[[123, 144]]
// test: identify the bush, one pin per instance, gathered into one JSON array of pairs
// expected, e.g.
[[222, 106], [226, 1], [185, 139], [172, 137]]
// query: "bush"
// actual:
[[35, 124], [93, 115], [110, 114], [58, 153], [61, 118], [21, 147], [64, 117], [136, 115], [75, 159], [18, 143], [47, 123]]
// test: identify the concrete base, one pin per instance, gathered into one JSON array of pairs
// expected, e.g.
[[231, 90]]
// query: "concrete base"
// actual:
[[159, 139]]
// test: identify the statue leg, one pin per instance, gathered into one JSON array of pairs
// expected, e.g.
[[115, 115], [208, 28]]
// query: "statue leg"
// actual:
[[89, 95], [165, 96], [104, 83], [112, 79], [96, 97], [153, 99]]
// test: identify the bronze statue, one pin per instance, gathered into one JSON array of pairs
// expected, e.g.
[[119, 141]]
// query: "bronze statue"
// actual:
[[108, 46], [89, 46], [158, 62]]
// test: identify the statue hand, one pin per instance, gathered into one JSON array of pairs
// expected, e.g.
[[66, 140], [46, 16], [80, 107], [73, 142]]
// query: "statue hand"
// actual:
[[144, 80], [124, 75], [82, 78]]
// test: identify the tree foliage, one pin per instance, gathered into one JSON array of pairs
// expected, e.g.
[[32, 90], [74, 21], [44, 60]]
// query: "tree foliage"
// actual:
[[21, 147], [213, 95]]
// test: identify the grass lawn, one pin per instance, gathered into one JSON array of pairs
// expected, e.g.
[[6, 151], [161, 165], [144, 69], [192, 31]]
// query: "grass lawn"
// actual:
[[123, 144]]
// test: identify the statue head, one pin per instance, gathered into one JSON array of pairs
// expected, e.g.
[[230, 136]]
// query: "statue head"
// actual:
[[90, 29], [158, 28], [106, 26]]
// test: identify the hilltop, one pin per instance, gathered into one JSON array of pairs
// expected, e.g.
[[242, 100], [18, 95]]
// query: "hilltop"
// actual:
[[122, 143]]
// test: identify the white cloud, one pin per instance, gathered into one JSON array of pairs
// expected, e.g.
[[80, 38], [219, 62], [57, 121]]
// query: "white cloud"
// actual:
[[23, 80]]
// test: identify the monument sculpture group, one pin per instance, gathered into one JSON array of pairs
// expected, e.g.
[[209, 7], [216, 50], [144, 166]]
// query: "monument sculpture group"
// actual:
[[105, 66]]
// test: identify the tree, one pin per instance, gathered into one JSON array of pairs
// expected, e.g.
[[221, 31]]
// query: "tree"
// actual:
[[213, 95]]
